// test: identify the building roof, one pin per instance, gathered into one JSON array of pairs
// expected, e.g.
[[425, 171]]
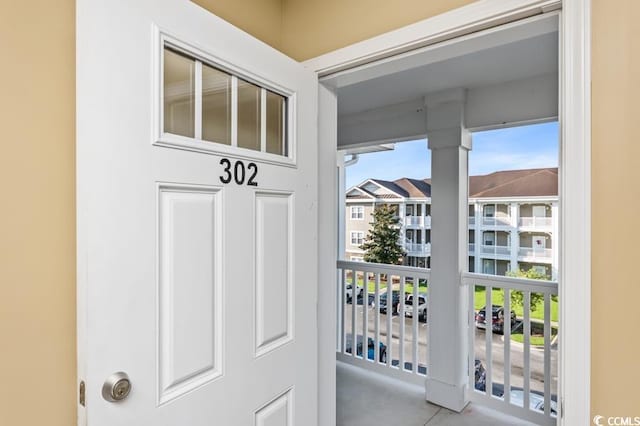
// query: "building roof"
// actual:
[[503, 184]]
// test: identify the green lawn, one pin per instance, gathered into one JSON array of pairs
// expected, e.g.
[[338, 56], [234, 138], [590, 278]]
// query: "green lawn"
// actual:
[[497, 298], [534, 340]]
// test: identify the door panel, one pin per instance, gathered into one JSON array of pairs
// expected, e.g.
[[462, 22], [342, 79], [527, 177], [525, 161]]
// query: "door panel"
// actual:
[[197, 258]]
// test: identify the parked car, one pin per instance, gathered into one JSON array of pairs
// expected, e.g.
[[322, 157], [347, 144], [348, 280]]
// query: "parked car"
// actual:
[[382, 354], [409, 309], [497, 319], [395, 301], [536, 401], [349, 293]]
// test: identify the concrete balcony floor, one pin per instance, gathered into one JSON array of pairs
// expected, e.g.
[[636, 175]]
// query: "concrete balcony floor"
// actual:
[[365, 398]]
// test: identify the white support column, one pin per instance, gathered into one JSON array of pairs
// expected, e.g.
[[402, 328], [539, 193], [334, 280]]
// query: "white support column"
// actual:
[[449, 141], [342, 203], [515, 236], [555, 220]]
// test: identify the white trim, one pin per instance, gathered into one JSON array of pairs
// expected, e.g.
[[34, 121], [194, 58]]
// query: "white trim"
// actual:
[[575, 217], [465, 20], [575, 179]]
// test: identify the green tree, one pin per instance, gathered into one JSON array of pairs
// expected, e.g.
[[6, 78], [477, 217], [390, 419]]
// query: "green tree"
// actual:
[[517, 297], [381, 244]]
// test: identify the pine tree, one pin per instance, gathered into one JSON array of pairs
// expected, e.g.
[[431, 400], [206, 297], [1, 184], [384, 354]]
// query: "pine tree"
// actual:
[[381, 244]]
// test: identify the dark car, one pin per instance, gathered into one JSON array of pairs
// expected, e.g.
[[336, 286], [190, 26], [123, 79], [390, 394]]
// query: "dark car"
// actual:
[[497, 319], [395, 301], [382, 355]]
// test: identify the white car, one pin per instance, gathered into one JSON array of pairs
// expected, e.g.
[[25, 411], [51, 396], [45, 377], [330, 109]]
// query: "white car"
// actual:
[[422, 307]]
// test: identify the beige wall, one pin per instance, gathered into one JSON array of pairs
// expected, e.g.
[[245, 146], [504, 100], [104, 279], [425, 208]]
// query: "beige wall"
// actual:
[[615, 374], [37, 261], [37, 213]]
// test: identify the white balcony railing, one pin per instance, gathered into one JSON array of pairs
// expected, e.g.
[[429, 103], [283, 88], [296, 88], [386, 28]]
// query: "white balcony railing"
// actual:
[[417, 249], [535, 222], [394, 350], [472, 248], [496, 221], [535, 253], [421, 221], [519, 380], [496, 250], [472, 220]]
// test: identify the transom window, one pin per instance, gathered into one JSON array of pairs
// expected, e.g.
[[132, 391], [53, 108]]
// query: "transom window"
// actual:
[[207, 104], [357, 238], [357, 212]]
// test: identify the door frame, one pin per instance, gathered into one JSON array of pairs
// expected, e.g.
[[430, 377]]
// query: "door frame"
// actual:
[[575, 178]]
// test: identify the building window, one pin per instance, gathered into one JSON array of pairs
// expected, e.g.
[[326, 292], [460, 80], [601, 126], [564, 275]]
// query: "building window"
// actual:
[[357, 238], [357, 212]]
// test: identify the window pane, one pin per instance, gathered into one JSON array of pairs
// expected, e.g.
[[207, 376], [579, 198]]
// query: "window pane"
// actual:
[[179, 94], [216, 105], [248, 115], [276, 108]]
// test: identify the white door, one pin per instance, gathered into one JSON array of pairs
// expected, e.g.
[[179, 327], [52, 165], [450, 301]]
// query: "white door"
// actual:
[[196, 221]]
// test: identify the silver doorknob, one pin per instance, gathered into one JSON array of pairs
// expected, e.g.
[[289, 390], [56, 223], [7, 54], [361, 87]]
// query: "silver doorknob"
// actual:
[[116, 387]]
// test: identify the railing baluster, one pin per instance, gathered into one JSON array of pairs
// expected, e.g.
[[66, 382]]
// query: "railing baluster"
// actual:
[[343, 303], [376, 313], [416, 317], [526, 306], [488, 334], [507, 345], [547, 354], [401, 319], [389, 318], [365, 315], [354, 304]]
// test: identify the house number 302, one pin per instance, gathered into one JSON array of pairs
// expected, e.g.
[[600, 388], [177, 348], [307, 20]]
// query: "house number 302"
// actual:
[[238, 172]]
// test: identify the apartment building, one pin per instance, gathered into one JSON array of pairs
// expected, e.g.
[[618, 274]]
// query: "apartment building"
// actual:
[[513, 219]]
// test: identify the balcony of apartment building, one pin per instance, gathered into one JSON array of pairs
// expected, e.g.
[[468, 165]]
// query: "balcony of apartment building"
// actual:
[[535, 247], [417, 215], [495, 216], [535, 217], [496, 244]]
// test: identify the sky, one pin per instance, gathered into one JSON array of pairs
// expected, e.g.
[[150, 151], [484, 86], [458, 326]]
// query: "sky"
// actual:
[[523, 147]]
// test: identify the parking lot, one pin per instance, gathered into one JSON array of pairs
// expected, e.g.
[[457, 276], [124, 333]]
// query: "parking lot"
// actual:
[[516, 352]]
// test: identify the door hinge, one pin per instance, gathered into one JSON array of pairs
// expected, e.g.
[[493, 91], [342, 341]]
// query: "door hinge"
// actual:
[[82, 393]]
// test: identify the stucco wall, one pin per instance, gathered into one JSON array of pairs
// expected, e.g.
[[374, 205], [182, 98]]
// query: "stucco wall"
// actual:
[[37, 213], [37, 218]]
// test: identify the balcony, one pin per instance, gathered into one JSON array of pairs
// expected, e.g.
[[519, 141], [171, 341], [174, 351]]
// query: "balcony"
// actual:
[[472, 221], [516, 379], [533, 254], [418, 221], [472, 248], [535, 222], [496, 250], [417, 249], [500, 221]]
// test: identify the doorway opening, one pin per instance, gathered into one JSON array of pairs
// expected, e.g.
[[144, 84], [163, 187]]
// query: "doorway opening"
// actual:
[[499, 79]]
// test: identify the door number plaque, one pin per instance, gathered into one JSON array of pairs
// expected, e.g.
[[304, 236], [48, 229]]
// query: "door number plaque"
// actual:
[[239, 173]]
